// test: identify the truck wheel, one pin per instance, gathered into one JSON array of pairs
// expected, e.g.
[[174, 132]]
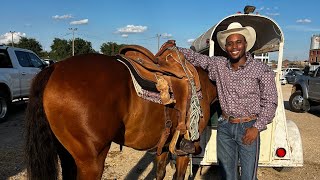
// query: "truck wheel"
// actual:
[[296, 103], [3, 107]]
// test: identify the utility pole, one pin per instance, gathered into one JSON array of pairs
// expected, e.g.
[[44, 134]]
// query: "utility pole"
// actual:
[[158, 36], [12, 32], [73, 30]]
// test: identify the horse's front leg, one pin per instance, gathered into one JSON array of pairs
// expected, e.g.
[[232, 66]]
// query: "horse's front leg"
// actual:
[[181, 167], [161, 162]]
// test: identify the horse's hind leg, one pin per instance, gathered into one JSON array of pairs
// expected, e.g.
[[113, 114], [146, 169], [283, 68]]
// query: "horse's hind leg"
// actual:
[[91, 167], [161, 162], [68, 165]]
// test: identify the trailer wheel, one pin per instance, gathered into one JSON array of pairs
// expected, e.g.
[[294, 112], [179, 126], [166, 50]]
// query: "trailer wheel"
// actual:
[[296, 103], [4, 106]]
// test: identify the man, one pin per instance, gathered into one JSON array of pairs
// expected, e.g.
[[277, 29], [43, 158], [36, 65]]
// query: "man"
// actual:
[[247, 95]]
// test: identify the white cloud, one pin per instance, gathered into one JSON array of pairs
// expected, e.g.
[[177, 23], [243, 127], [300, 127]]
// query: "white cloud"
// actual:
[[27, 25], [80, 22], [303, 21], [260, 9], [166, 35], [273, 14], [66, 16], [303, 28], [190, 41], [124, 35], [7, 37], [132, 29]]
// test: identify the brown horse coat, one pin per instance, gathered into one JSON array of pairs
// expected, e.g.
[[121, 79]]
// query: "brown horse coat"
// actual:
[[87, 102]]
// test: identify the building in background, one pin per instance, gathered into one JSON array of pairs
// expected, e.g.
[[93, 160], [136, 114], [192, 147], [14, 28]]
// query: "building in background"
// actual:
[[314, 54]]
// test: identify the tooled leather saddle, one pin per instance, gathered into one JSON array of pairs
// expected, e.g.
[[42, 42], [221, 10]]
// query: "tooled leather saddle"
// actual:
[[166, 73]]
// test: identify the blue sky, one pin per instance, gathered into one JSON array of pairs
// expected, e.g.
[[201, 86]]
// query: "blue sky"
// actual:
[[140, 21]]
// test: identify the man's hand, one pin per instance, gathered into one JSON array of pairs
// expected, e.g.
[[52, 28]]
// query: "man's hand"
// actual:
[[250, 135]]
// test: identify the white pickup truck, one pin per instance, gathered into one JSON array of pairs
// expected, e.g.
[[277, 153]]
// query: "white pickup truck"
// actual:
[[17, 69]]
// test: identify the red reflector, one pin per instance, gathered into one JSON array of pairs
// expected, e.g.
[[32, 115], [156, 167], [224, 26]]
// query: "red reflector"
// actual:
[[281, 152]]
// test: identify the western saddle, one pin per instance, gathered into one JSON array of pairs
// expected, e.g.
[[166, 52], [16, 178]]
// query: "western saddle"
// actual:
[[170, 72]]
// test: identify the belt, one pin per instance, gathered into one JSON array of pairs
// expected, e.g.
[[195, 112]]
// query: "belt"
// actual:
[[235, 120]]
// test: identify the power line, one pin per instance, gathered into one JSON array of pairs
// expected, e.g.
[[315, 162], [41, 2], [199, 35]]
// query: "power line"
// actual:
[[73, 30]]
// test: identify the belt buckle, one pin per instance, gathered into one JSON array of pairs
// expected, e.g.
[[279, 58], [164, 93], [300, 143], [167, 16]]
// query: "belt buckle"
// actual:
[[231, 118]]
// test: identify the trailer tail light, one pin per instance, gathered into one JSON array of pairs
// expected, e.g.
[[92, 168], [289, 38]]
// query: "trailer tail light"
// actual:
[[281, 152]]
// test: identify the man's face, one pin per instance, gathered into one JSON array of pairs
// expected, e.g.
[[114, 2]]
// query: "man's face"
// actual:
[[236, 46]]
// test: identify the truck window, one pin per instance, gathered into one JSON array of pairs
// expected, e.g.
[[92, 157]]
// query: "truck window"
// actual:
[[35, 61], [27, 59], [23, 59], [4, 60]]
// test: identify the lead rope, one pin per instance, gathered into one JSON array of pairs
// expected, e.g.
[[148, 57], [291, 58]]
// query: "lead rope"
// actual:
[[195, 110]]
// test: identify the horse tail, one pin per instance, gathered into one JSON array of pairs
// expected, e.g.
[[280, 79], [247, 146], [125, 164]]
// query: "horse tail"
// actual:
[[40, 150]]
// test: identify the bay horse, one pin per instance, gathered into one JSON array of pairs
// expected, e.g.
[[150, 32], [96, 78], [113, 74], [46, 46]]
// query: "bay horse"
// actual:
[[79, 106]]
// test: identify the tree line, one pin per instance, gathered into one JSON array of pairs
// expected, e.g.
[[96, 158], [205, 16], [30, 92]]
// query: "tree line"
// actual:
[[62, 48]]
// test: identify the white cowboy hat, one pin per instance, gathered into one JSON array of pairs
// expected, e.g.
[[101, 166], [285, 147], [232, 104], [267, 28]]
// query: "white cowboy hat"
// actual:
[[236, 28]]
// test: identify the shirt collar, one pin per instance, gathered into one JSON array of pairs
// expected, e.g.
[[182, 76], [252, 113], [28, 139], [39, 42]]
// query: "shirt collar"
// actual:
[[249, 59]]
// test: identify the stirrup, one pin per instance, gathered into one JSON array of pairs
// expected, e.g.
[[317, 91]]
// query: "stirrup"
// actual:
[[185, 147]]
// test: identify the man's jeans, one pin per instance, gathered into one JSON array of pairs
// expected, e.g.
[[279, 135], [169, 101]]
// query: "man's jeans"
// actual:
[[230, 149]]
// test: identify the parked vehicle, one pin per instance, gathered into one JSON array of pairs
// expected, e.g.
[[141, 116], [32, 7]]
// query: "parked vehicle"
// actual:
[[283, 80], [17, 69], [49, 61], [281, 145], [305, 92], [291, 76], [285, 72]]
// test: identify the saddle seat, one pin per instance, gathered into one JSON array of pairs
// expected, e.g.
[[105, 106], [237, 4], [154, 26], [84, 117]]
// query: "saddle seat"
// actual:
[[148, 66]]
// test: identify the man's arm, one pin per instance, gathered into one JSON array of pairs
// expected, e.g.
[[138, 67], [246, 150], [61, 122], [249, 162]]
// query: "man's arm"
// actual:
[[200, 60], [268, 103], [269, 100]]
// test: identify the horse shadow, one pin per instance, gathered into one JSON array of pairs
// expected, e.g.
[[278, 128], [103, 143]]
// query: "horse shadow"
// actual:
[[205, 172], [142, 165]]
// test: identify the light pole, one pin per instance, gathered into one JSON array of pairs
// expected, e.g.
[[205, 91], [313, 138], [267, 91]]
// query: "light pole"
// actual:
[[73, 30], [12, 32], [158, 36]]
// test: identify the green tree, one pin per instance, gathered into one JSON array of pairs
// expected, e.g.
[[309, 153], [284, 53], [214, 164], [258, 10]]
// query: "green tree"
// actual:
[[60, 49], [82, 46], [31, 44], [110, 48]]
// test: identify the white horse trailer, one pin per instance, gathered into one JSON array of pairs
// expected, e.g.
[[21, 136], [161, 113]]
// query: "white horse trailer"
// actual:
[[281, 143]]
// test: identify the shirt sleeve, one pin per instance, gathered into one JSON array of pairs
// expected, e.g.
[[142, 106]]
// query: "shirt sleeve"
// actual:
[[199, 60], [269, 100]]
